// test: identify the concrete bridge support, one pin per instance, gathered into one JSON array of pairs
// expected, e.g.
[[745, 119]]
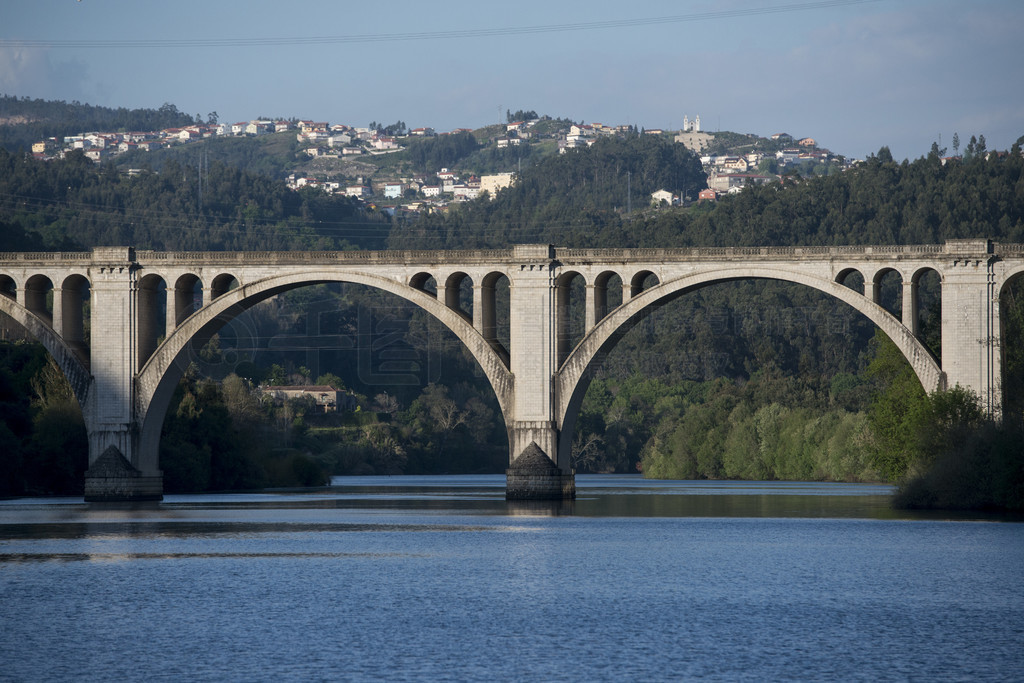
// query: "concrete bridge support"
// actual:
[[116, 468], [533, 432], [971, 345]]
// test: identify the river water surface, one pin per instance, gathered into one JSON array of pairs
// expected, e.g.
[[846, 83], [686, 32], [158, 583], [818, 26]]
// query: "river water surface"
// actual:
[[438, 578]]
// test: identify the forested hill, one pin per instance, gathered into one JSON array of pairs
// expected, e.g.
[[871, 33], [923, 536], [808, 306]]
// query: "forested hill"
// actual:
[[878, 202], [73, 204], [579, 199], [24, 121], [589, 197]]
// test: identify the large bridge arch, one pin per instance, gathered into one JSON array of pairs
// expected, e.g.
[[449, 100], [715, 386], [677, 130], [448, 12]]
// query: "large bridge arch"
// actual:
[[63, 354], [574, 376], [157, 379]]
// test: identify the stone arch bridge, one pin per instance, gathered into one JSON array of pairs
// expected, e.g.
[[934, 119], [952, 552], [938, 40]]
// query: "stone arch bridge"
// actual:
[[123, 378]]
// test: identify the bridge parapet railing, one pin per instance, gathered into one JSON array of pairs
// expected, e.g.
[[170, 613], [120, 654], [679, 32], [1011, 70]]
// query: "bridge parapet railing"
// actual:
[[651, 254], [499, 256], [398, 256], [50, 256]]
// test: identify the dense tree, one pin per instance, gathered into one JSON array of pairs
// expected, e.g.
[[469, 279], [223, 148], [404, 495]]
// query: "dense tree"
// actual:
[[29, 120], [520, 115], [445, 151], [69, 203]]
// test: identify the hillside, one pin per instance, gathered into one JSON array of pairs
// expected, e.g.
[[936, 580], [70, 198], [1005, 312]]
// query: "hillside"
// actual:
[[24, 121], [710, 370]]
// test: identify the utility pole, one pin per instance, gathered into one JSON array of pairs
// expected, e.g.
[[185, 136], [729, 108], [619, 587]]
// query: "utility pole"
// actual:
[[629, 194]]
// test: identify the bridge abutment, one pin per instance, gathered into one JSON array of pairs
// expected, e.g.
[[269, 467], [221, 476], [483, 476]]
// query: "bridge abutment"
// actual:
[[971, 330]]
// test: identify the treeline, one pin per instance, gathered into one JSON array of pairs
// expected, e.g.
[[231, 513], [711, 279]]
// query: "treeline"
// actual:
[[443, 151], [42, 434], [580, 198], [70, 203], [878, 202], [228, 435], [273, 156], [25, 121]]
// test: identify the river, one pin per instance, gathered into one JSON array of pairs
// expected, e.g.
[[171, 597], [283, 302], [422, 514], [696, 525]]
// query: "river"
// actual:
[[438, 578]]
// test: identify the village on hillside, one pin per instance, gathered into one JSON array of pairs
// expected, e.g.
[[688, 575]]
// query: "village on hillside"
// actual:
[[726, 173]]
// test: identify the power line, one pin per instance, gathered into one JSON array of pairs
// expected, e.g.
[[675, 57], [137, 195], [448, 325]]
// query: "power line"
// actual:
[[153, 219], [431, 35]]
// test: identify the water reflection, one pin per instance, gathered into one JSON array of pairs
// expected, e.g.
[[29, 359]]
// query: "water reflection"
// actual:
[[476, 495]]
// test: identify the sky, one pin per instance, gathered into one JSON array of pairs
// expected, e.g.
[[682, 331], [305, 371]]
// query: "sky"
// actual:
[[855, 75]]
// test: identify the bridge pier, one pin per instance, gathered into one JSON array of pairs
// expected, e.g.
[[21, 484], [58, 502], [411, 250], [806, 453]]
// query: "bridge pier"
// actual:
[[533, 474], [537, 470], [111, 477], [117, 469]]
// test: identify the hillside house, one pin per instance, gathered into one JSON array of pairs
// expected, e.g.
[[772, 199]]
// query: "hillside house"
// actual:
[[465, 192], [735, 164], [661, 196], [258, 127], [732, 182], [574, 143], [384, 142], [326, 398], [494, 182], [788, 156], [47, 146]]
